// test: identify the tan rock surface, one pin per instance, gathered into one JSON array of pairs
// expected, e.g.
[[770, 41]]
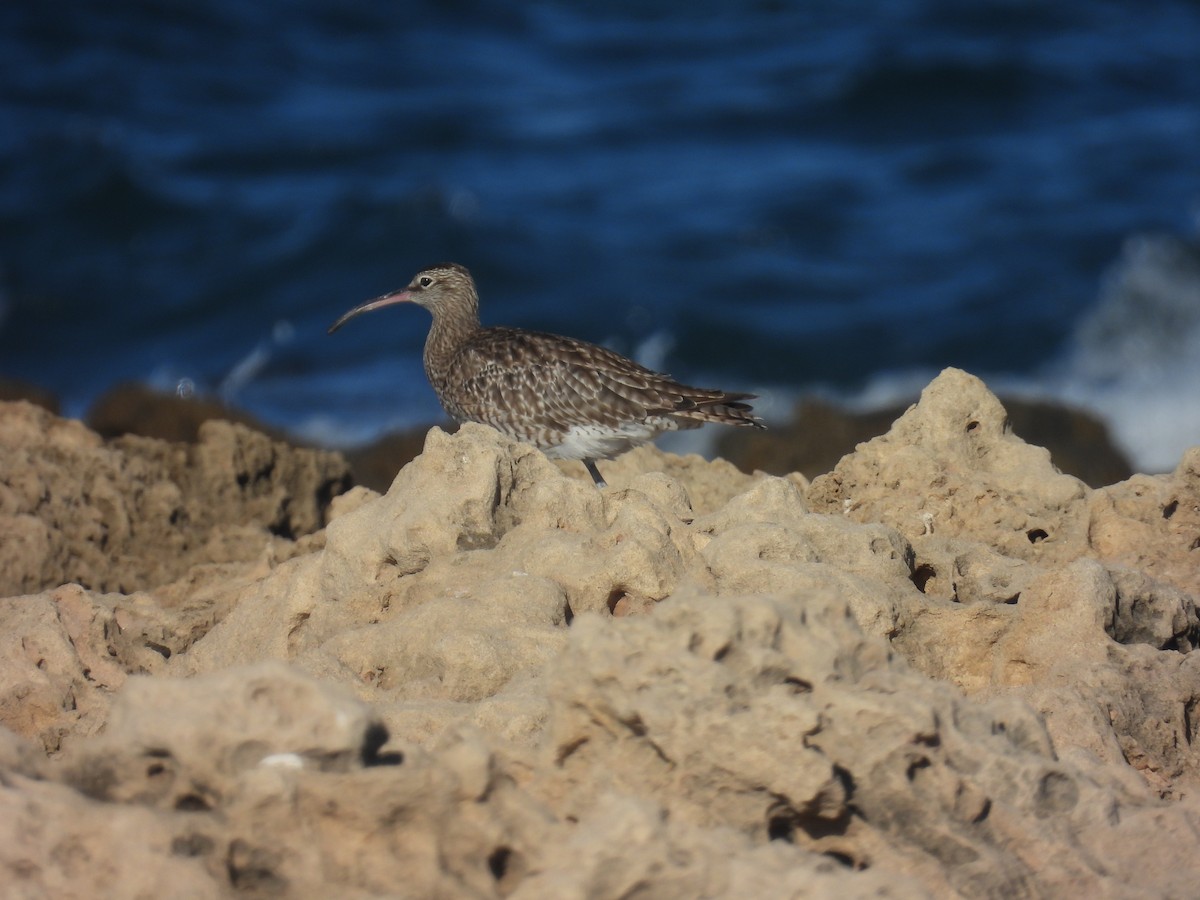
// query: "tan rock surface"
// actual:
[[138, 512], [942, 669], [1152, 523], [951, 466]]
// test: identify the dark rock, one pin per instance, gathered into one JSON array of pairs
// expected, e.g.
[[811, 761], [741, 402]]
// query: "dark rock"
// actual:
[[375, 465], [136, 409], [820, 434], [132, 408], [11, 389], [136, 512]]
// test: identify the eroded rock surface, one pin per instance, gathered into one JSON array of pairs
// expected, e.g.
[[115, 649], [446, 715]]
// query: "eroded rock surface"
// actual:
[[137, 512], [942, 669]]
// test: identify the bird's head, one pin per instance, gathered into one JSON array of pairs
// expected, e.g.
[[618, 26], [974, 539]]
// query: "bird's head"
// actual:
[[446, 285]]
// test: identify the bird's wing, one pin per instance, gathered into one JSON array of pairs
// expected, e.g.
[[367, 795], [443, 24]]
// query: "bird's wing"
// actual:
[[521, 381], [530, 379]]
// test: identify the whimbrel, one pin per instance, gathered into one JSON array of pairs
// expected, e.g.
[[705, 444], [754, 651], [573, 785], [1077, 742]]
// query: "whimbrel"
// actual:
[[569, 398]]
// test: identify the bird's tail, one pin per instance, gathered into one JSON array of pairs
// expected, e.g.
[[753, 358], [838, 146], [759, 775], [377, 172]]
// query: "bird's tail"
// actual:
[[726, 409]]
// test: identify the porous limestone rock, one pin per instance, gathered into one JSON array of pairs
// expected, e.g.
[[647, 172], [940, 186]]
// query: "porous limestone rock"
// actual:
[[134, 513], [951, 466], [779, 717], [1152, 524], [943, 669]]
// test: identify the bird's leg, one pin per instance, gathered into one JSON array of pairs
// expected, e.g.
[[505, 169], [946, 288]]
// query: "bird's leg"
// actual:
[[595, 473]]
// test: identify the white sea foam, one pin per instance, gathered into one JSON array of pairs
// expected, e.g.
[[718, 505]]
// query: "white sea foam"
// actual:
[[1134, 360]]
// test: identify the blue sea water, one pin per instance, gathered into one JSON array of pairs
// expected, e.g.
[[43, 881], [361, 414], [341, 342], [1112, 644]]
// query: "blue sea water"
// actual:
[[779, 196]]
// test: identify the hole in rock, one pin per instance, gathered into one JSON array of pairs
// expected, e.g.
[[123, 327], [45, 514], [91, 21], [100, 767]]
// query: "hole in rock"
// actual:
[[781, 828], [922, 574], [1057, 793], [164, 652], [1169, 509], [157, 765], [798, 685], [193, 802], [843, 775], [635, 724], [846, 860], [330, 488], [1177, 643], [615, 596], [1195, 544], [810, 829], [917, 765], [507, 867], [498, 862], [373, 740], [283, 529], [1190, 723], [985, 810], [252, 870], [1036, 535]]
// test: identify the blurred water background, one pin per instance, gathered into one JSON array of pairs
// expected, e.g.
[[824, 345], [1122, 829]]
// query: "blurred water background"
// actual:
[[829, 196]]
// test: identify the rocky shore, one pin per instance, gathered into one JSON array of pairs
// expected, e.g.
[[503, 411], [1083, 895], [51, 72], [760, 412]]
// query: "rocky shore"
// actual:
[[941, 669]]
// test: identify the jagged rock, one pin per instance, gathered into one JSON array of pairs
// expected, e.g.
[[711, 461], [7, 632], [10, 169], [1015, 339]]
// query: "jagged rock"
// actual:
[[777, 716], [943, 669], [818, 434], [132, 408], [135, 512], [1152, 523], [952, 466]]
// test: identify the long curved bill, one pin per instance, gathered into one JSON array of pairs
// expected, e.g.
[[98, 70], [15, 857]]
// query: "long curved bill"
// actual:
[[403, 296]]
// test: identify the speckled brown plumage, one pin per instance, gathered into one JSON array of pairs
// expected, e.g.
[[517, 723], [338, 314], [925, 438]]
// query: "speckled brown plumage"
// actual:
[[572, 399]]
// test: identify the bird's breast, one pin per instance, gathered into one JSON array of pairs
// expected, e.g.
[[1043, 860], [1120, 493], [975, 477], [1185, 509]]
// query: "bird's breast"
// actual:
[[592, 441]]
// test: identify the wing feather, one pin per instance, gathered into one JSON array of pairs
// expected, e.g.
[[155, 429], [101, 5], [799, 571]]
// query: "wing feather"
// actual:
[[523, 382]]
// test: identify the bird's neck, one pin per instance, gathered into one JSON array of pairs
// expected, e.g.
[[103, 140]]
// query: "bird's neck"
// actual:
[[452, 326]]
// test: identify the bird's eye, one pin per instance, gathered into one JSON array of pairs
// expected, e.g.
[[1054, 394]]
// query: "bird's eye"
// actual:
[[424, 281]]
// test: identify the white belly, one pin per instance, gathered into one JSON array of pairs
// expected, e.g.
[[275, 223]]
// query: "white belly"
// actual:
[[600, 442]]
